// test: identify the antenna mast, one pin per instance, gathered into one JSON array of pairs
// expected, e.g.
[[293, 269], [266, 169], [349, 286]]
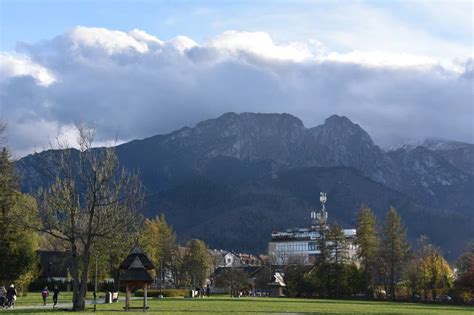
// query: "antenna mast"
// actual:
[[321, 217]]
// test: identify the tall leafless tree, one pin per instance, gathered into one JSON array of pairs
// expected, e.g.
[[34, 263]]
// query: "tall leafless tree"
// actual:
[[88, 200]]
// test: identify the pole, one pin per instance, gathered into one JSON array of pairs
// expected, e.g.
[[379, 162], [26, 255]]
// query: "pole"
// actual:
[[145, 297], [161, 276], [95, 285], [127, 299]]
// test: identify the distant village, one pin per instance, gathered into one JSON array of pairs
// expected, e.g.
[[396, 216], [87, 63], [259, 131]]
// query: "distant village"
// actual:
[[259, 275]]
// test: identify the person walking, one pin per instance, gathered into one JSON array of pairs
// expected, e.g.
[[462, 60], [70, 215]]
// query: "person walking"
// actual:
[[11, 296], [3, 296], [45, 294], [55, 295], [208, 291]]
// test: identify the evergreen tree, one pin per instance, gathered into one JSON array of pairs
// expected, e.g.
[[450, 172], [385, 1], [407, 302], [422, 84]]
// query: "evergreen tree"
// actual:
[[320, 275], [322, 243], [17, 245], [8, 183], [367, 241], [394, 248], [338, 245], [298, 282], [338, 257]]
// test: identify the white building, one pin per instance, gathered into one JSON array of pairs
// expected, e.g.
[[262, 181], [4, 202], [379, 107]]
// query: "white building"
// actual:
[[299, 245], [224, 258]]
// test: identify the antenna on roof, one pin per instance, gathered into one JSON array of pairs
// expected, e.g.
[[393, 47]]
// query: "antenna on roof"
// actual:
[[322, 216], [318, 218], [323, 198]]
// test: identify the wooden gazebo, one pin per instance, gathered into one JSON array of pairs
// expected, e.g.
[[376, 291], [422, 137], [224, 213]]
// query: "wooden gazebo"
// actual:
[[134, 273]]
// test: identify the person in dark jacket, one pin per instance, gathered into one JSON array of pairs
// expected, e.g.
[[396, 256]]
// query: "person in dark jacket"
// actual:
[[11, 296], [55, 295], [3, 296]]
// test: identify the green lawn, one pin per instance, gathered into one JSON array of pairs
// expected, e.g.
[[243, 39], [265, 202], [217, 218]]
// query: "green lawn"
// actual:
[[34, 298], [223, 305]]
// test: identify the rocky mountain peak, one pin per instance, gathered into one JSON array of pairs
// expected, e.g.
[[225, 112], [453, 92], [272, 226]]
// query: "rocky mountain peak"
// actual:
[[247, 118], [460, 154], [437, 144], [340, 130], [338, 120]]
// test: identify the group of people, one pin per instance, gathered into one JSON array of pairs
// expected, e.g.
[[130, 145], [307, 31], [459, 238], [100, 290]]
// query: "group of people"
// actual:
[[7, 296], [202, 292], [45, 295]]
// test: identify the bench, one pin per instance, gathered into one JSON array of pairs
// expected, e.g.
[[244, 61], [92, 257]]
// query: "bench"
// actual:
[[115, 296], [136, 308]]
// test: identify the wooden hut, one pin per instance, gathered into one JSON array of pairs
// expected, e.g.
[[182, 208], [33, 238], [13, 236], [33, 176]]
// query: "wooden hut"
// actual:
[[134, 273]]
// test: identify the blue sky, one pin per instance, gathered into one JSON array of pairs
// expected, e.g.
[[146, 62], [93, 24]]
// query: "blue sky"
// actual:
[[403, 70], [34, 20]]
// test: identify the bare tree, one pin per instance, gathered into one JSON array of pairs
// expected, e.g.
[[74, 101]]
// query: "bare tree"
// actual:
[[89, 199]]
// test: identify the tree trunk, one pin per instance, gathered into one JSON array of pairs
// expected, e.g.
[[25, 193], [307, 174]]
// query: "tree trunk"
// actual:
[[75, 277], [366, 281], [80, 301], [392, 282]]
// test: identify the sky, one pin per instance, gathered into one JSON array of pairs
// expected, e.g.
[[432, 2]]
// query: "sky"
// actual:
[[403, 70]]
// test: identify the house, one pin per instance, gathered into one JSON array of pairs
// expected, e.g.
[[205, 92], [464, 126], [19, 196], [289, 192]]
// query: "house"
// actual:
[[250, 260], [224, 258], [54, 265]]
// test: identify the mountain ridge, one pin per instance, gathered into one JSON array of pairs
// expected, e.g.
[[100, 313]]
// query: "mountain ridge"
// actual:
[[234, 152]]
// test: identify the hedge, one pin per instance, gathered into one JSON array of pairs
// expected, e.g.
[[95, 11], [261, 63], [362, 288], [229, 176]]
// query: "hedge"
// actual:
[[166, 293]]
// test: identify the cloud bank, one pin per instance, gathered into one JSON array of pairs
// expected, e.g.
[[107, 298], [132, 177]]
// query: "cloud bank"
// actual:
[[138, 85]]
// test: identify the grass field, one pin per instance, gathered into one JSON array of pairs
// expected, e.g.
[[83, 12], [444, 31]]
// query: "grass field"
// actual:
[[225, 305]]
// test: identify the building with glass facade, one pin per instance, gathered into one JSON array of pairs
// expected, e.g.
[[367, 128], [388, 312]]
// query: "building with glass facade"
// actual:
[[300, 245]]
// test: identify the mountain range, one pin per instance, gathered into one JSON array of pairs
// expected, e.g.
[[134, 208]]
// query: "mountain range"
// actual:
[[234, 179]]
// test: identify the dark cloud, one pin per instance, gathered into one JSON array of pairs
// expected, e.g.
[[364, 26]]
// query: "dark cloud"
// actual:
[[142, 86]]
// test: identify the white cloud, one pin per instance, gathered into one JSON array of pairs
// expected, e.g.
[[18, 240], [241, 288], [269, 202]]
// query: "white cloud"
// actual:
[[112, 42], [13, 65], [144, 37], [260, 44], [384, 59], [439, 29], [181, 43], [141, 85]]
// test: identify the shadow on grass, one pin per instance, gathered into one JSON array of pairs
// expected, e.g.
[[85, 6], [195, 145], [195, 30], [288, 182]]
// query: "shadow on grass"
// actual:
[[259, 305], [329, 301]]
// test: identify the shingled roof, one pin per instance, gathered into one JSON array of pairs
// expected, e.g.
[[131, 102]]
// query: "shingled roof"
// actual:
[[136, 253], [135, 266], [140, 275]]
